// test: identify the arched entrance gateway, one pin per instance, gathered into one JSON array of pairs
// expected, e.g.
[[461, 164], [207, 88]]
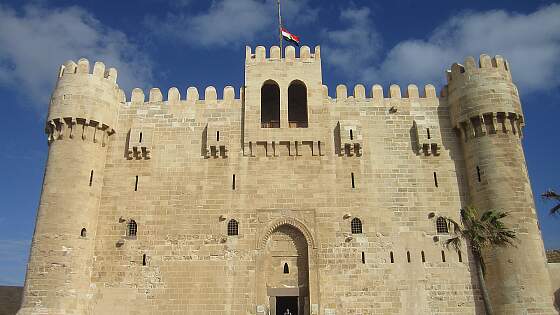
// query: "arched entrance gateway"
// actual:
[[286, 269]]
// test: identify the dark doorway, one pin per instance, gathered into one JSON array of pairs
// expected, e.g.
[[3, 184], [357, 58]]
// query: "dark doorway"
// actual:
[[285, 303]]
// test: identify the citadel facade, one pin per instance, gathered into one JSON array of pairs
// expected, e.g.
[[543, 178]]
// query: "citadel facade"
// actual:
[[280, 196]]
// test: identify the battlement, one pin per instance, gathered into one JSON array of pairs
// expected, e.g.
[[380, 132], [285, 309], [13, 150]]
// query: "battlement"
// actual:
[[155, 95], [376, 92], [305, 54], [485, 63], [82, 67]]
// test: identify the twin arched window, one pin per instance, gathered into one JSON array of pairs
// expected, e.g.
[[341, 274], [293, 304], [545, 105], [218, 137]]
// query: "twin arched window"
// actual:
[[356, 226], [232, 228], [270, 105]]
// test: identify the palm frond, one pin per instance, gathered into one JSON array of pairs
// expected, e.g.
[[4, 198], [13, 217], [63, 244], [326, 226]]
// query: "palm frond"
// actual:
[[550, 195], [555, 209], [453, 226], [481, 230], [454, 242]]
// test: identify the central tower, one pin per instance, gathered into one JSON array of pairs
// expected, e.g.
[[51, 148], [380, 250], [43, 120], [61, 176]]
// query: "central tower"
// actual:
[[283, 98]]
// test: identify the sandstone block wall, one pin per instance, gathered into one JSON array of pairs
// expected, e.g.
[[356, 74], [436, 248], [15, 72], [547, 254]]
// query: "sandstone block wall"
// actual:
[[338, 217]]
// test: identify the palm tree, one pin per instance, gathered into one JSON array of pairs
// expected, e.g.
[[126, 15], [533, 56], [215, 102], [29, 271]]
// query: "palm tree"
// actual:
[[552, 195], [480, 230]]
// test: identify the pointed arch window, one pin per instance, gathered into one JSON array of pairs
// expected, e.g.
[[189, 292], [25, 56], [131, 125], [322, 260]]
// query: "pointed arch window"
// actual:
[[270, 105], [232, 228], [441, 226], [356, 226], [297, 104]]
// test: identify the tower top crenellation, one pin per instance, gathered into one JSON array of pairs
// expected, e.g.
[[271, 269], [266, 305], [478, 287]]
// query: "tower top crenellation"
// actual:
[[260, 55], [470, 67], [83, 67]]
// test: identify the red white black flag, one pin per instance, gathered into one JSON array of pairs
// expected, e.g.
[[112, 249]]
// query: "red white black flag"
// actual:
[[289, 36]]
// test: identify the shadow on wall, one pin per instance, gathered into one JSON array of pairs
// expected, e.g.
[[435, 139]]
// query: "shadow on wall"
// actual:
[[557, 300], [10, 299]]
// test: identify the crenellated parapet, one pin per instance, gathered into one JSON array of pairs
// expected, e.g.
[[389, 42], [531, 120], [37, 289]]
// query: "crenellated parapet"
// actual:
[[260, 54], [173, 97], [83, 67], [483, 98], [497, 65], [376, 92]]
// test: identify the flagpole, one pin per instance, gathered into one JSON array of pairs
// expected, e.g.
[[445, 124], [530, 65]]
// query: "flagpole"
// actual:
[[280, 28]]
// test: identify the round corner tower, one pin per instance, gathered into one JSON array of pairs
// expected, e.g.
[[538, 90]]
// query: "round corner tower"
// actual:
[[82, 113], [486, 112]]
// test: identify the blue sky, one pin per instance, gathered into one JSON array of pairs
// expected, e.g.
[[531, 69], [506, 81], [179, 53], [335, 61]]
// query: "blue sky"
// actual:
[[157, 43]]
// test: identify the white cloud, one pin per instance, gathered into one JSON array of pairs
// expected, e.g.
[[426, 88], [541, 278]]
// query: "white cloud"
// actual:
[[355, 46], [530, 42], [230, 21], [34, 42]]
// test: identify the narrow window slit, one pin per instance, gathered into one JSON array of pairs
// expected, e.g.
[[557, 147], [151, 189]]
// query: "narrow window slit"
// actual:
[[460, 256], [392, 257], [140, 139], [91, 178], [435, 179], [144, 260], [286, 268], [217, 136], [136, 184], [353, 184], [351, 135], [423, 256], [363, 258], [233, 182], [428, 131], [408, 256], [478, 174], [442, 256]]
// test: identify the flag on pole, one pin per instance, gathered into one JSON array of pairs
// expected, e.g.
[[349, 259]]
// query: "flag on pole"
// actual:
[[289, 36]]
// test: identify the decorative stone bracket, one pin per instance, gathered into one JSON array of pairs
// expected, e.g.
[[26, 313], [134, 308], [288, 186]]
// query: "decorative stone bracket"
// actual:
[[140, 142], [215, 141], [283, 148], [78, 128], [427, 138], [491, 123], [348, 139]]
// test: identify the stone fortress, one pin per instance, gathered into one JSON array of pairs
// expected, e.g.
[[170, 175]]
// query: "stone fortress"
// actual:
[[281, 197]]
